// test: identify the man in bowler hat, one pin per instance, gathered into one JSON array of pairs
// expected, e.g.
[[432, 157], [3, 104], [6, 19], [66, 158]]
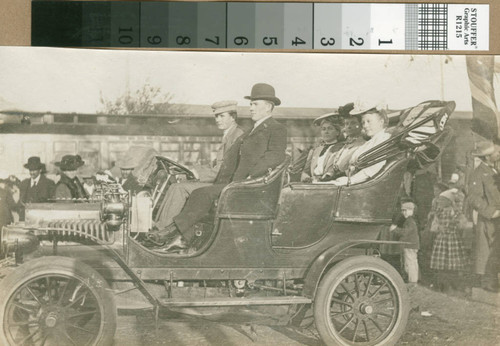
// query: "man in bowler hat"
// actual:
[[257, 150], [37, 188], [225, 113], [484, 197]]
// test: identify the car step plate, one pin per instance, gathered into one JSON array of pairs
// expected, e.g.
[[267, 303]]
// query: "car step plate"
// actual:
[[233, 301]]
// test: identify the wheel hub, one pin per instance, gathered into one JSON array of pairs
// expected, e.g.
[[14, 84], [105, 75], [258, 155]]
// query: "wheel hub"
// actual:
[[366, 309], [51, 319]]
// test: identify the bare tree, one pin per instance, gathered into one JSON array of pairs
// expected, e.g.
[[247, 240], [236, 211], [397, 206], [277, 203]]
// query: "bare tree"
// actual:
[[145, 100]]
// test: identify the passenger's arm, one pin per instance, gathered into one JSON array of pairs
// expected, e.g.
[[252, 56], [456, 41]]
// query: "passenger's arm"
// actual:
[[275, 153], [306, 172], [367, 173], [361, 176]]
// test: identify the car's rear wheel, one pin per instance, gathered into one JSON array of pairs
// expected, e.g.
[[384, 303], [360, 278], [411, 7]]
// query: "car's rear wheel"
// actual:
[[56, 301], [361, 301]]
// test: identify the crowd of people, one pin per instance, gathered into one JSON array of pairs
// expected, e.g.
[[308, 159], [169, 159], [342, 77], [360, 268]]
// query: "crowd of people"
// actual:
[[438, 250], [432, 246], [38, 188]]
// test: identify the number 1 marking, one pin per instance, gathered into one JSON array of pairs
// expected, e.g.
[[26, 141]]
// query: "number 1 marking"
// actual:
[[380, 42]]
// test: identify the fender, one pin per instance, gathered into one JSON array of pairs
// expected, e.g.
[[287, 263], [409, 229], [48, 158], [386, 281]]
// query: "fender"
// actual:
[[329, 256]]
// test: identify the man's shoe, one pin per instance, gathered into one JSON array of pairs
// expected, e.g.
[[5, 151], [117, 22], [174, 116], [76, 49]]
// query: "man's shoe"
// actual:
[[159, 238], [177, 243]]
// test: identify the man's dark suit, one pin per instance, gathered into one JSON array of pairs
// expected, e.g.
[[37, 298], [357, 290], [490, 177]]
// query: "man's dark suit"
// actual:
[[250, 157], [39, 193]]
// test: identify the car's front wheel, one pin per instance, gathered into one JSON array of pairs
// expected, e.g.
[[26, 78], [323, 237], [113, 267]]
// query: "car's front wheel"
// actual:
[[361, 301], [56, 301]]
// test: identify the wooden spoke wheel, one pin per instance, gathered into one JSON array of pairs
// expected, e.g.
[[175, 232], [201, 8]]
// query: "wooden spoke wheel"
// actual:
[[361, 301], [56, 301]]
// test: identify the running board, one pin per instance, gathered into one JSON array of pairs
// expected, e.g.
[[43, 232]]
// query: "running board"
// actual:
[[233, 301]]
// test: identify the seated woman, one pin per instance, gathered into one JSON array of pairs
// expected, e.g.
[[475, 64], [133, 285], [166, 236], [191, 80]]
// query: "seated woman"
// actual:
[[319, 161], [353, 140], [374, 123]]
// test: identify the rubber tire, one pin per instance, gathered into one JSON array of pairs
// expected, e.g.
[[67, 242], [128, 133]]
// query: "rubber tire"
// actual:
[[65, 266], [345, 268]]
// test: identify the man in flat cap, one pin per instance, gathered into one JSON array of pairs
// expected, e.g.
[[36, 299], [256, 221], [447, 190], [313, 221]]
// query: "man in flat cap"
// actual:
[[37, 188], [225, 118], [256, 151]]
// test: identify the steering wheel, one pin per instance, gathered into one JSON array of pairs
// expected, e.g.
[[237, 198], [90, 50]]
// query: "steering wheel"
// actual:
[[165, 175]]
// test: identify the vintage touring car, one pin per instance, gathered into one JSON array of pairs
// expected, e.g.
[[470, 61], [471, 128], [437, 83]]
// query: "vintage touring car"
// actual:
[[267, 242]]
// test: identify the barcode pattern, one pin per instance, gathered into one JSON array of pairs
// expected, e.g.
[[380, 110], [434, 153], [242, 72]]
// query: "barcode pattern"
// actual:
[[411, 26], [432, 26]]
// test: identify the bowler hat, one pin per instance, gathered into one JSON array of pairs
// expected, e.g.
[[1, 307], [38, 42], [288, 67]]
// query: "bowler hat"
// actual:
[[34, 163], [224, 106], [263, 91], [70, 162], [484, 148]]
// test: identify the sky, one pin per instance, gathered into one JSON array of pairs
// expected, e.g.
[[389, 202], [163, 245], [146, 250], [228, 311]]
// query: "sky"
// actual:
[[71, 80]]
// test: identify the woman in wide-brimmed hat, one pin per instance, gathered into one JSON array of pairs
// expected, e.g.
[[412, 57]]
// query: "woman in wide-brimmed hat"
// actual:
[[374, 123], [69, 186], [319, 159], [352, 133]]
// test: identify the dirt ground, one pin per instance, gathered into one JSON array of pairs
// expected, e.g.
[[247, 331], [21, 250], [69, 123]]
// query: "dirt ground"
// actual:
[[435, 319], [454, 320]]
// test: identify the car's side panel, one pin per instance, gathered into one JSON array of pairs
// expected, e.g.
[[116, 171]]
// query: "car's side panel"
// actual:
[[374, 200], [305, 214]]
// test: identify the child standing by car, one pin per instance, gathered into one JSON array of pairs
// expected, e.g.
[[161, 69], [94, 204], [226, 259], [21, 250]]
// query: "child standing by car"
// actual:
[[448, 253], [408, 232]]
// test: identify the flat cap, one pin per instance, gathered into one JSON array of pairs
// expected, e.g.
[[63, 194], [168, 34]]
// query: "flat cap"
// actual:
[[224, 106]]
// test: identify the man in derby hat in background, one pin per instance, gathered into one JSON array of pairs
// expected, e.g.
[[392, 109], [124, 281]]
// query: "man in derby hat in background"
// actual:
[[484, 197], [256, 151], [37, 188], [69, 186], [225, 113]]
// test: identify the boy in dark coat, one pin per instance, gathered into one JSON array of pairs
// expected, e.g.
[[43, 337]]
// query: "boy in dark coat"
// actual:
[[409, 233]]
